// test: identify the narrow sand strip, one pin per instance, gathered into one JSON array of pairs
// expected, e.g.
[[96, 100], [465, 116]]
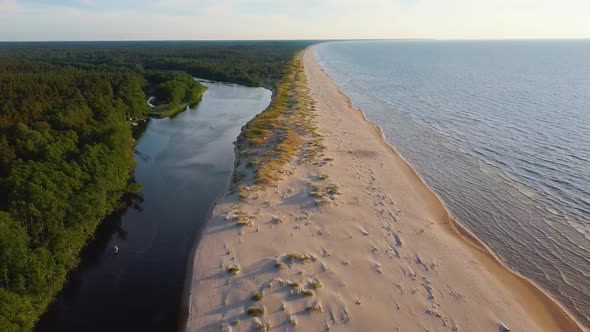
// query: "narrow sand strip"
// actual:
[[353, 241]]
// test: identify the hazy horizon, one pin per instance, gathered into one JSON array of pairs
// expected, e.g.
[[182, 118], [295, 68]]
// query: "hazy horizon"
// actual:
[[270, 40], [135, 20]]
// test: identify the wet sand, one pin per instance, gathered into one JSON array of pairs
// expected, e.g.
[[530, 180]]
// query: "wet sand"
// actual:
[[384, 254]]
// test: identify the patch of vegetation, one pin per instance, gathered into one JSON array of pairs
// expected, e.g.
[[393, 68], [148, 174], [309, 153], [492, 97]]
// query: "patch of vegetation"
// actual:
[[316, 284], [255, 311], [244, 192], [307, 292], [260, 325], [173, 92], [234, 269], [325, 195], [323, 177], [280, 265], [278, 220], [244, 223], [243, 219], [314, 308], [288, 283], [257, 296], [301, 258]]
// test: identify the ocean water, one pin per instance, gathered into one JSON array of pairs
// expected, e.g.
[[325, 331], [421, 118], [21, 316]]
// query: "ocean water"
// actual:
[[501, 131]]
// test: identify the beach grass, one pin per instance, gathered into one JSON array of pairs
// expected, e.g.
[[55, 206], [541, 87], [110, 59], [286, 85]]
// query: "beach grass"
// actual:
[[316, 284], [314, 308], [277, 134], [257, 296], [301, 258], [255, 311], [234, 269]]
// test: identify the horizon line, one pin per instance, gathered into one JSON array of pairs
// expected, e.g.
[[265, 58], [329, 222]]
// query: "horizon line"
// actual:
[[283, 40]]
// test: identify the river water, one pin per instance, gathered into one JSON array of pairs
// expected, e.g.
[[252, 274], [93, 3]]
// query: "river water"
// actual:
[[184, 164], [501, 131]]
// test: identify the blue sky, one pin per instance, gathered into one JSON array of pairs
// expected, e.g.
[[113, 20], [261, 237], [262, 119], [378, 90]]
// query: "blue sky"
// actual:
[[292, 19]]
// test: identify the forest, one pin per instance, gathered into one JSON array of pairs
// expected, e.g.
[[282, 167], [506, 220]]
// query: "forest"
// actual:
[[67, 114]]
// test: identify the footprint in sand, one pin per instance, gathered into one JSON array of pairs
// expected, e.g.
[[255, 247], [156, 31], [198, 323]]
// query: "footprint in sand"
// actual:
[[410, 273], [398, 240], [419, 261], [401, 289], [428, 287]]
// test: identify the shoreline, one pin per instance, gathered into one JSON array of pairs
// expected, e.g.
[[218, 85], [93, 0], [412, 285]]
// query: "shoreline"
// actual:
[[461, 230], [449, 281]]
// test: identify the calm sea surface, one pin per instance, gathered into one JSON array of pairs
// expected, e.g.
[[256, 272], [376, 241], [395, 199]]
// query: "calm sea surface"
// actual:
[[501, 131], [184, 164]]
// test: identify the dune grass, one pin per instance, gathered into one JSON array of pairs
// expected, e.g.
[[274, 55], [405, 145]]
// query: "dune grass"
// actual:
[[255, 311], [316, 284], [276, 136], [257, 296], [314, 308], [234, 269], [301, 258]]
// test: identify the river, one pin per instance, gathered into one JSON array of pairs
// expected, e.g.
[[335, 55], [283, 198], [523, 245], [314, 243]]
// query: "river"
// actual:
[[184, 164]]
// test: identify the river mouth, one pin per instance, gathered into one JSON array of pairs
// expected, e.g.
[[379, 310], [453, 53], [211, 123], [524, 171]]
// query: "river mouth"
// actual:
[[184, 164]]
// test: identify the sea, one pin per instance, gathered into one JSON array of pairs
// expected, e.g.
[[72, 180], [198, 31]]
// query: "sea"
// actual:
[[500, 130]]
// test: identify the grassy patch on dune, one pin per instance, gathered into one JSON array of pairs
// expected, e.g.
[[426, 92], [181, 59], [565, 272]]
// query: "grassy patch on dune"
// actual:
[[276, 136], [301, 258], [257, 296], [234, 270], [255, 311]]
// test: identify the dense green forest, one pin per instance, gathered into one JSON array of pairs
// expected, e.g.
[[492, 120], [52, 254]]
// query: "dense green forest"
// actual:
[[67, 113], [255, 63]]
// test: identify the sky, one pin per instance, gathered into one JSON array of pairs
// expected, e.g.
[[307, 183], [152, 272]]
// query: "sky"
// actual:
[[42, 20]]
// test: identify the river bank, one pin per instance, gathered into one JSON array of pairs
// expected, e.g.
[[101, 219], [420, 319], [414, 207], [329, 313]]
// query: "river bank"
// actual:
[[183, 164], [350, 238]]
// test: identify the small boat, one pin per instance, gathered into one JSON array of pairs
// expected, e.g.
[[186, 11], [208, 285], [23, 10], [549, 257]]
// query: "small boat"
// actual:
[[116, 249]]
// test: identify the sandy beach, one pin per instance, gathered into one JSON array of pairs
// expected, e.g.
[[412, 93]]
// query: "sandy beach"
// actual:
[[351, 239]]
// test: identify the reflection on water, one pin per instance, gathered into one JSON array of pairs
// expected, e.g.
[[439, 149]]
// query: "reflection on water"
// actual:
[[501, 131], [183, 164]]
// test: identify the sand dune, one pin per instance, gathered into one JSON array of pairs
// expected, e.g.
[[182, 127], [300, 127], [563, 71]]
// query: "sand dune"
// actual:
[[353, 240]]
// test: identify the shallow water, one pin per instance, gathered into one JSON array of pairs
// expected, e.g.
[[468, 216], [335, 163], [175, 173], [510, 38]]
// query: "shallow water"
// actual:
[[184, 164], [501, 131]]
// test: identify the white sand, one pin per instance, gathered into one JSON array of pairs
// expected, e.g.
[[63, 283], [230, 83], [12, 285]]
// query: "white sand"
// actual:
[[387, 254]]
